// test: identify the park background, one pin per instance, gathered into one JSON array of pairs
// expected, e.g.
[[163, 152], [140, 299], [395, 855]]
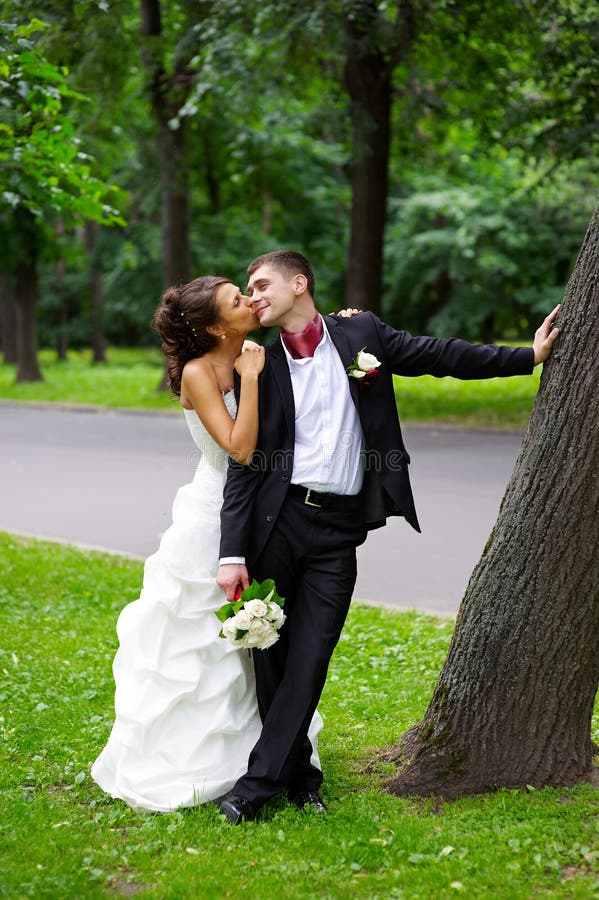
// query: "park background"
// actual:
[[437, 162]]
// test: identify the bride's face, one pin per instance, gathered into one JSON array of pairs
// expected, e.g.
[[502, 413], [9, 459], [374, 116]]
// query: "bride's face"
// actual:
[[235, 311]]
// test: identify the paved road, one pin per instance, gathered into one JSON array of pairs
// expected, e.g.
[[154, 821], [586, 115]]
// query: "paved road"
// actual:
[[108, 480]]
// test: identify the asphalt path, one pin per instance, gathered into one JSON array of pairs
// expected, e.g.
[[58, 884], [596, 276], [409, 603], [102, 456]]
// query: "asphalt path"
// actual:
[[108, 479]]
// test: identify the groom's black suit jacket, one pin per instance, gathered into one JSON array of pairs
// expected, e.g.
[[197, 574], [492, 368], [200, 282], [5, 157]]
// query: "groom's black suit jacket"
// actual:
[[254, 494]]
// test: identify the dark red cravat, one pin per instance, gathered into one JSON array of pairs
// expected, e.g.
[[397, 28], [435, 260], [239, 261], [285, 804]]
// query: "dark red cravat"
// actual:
[[305, 342]]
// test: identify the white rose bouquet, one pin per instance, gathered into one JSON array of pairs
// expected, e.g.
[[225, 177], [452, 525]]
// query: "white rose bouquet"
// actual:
[[254, 618]]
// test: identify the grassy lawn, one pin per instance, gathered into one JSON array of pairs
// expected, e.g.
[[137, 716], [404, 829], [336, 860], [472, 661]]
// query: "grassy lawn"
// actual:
[[131, 376], [60, 837]]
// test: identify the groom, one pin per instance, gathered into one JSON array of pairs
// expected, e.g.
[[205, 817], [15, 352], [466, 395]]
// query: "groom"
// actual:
[[330, 464]]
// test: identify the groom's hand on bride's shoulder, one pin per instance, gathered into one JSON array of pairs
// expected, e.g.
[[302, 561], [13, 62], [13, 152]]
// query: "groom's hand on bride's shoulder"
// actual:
[[230, 576], [347, 313]]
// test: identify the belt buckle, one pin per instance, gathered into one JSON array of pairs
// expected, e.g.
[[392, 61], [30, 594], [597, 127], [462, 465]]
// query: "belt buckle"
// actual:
[[307, 501]]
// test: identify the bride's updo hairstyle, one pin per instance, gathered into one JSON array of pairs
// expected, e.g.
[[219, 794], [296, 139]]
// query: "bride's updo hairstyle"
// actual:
[[181, 320]]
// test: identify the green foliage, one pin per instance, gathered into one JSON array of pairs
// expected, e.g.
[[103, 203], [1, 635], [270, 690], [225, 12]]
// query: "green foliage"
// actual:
[[44, 167], [493, 164], [485, 258], [257, 590], [60, 836]]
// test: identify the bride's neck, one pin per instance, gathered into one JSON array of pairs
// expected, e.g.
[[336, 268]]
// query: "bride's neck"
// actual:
[[227, 351]]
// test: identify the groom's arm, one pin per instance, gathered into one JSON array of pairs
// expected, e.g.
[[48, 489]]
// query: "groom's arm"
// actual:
[[236, 520], [414, 356], [409, 355], [237, 509]]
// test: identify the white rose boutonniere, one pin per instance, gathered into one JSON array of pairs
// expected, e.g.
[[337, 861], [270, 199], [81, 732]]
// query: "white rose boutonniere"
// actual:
[[254, 618], [364, 367]]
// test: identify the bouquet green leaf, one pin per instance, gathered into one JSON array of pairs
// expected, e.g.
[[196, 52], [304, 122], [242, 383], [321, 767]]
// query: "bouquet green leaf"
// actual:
[[254, 618]]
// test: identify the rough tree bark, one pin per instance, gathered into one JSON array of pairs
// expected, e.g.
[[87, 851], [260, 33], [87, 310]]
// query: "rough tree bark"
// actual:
[[8, 321], [26, 291], [513, 703], [368, 72]]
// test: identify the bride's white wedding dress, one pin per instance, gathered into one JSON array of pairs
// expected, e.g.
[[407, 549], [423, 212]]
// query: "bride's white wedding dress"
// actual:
[[185, 702]]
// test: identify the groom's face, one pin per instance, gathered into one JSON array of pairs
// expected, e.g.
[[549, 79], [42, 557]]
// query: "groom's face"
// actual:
[[273, 294]]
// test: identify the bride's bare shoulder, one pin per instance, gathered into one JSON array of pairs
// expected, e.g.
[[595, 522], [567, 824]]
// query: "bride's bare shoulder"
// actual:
[[199, 373]]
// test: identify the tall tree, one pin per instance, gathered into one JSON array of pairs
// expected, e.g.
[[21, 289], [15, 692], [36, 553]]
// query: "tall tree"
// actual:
[[167, 92], [92, 231], [513, 703], [8, 325], [375, 46], [46, 174]]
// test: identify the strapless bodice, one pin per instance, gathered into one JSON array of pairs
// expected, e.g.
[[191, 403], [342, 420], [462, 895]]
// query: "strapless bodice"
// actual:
[[210, 450]]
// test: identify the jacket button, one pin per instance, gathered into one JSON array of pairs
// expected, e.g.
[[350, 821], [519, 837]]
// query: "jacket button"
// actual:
[[284, 477], [269, 518]]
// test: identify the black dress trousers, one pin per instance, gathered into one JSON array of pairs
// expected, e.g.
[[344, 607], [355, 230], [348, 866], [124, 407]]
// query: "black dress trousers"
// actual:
[[311, 555]]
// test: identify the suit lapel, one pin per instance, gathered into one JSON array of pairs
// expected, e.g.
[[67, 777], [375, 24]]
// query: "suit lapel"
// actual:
[[280, 372], [339, 338]]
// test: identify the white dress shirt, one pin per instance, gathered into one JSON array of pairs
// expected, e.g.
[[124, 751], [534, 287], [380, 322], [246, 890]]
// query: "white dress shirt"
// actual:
[[328, 434], [327, 454]]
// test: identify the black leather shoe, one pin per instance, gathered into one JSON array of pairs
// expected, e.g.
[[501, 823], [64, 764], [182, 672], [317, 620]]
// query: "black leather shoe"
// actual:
[[237, 809], [311, 799]]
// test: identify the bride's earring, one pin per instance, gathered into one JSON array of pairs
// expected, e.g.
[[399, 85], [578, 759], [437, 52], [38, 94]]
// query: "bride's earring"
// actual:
[[223, 337]]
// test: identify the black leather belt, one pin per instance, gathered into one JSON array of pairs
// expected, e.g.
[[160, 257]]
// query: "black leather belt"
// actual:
[[322, 500]]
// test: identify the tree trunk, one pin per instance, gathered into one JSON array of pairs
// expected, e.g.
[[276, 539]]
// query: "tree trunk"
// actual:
[[8, 321], [513, 703], [175, 206], [98, 341], [167, 95], [26, 298], [62, 342], [211, 175], [368, 82]]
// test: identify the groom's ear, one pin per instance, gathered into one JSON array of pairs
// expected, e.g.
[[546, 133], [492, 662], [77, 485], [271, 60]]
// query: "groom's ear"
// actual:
[[300, 284]]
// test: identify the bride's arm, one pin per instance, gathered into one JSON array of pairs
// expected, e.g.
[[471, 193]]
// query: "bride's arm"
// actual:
[[238, 436]]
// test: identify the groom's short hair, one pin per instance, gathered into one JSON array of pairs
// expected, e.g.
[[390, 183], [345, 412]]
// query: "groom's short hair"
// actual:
[[290, 262]]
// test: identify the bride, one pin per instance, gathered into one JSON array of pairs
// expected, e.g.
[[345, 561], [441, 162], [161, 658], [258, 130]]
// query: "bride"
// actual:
[[186, 711]]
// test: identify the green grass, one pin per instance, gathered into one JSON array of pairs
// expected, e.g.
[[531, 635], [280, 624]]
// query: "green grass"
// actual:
[[60, 837], [493, 403], [130, 378]]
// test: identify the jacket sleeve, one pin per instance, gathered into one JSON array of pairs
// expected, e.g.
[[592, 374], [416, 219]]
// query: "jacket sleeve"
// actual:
[[238, 499], [238, 506], [414, 356]]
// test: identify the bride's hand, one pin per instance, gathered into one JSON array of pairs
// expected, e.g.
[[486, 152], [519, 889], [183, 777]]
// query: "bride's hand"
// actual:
[[348, 313], [250, 362]]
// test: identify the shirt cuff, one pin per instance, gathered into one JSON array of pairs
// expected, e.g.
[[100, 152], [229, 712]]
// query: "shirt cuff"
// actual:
[[232, 560]]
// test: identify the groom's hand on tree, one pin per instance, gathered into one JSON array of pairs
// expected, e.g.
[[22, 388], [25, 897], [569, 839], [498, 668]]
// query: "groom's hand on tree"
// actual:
[[230, 577], [545, 337]]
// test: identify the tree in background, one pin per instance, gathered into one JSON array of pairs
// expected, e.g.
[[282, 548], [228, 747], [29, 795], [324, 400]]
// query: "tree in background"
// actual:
[[243, 112], [168, 86], [375, 45], [8, 324], [46, 173], [514, 700]]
